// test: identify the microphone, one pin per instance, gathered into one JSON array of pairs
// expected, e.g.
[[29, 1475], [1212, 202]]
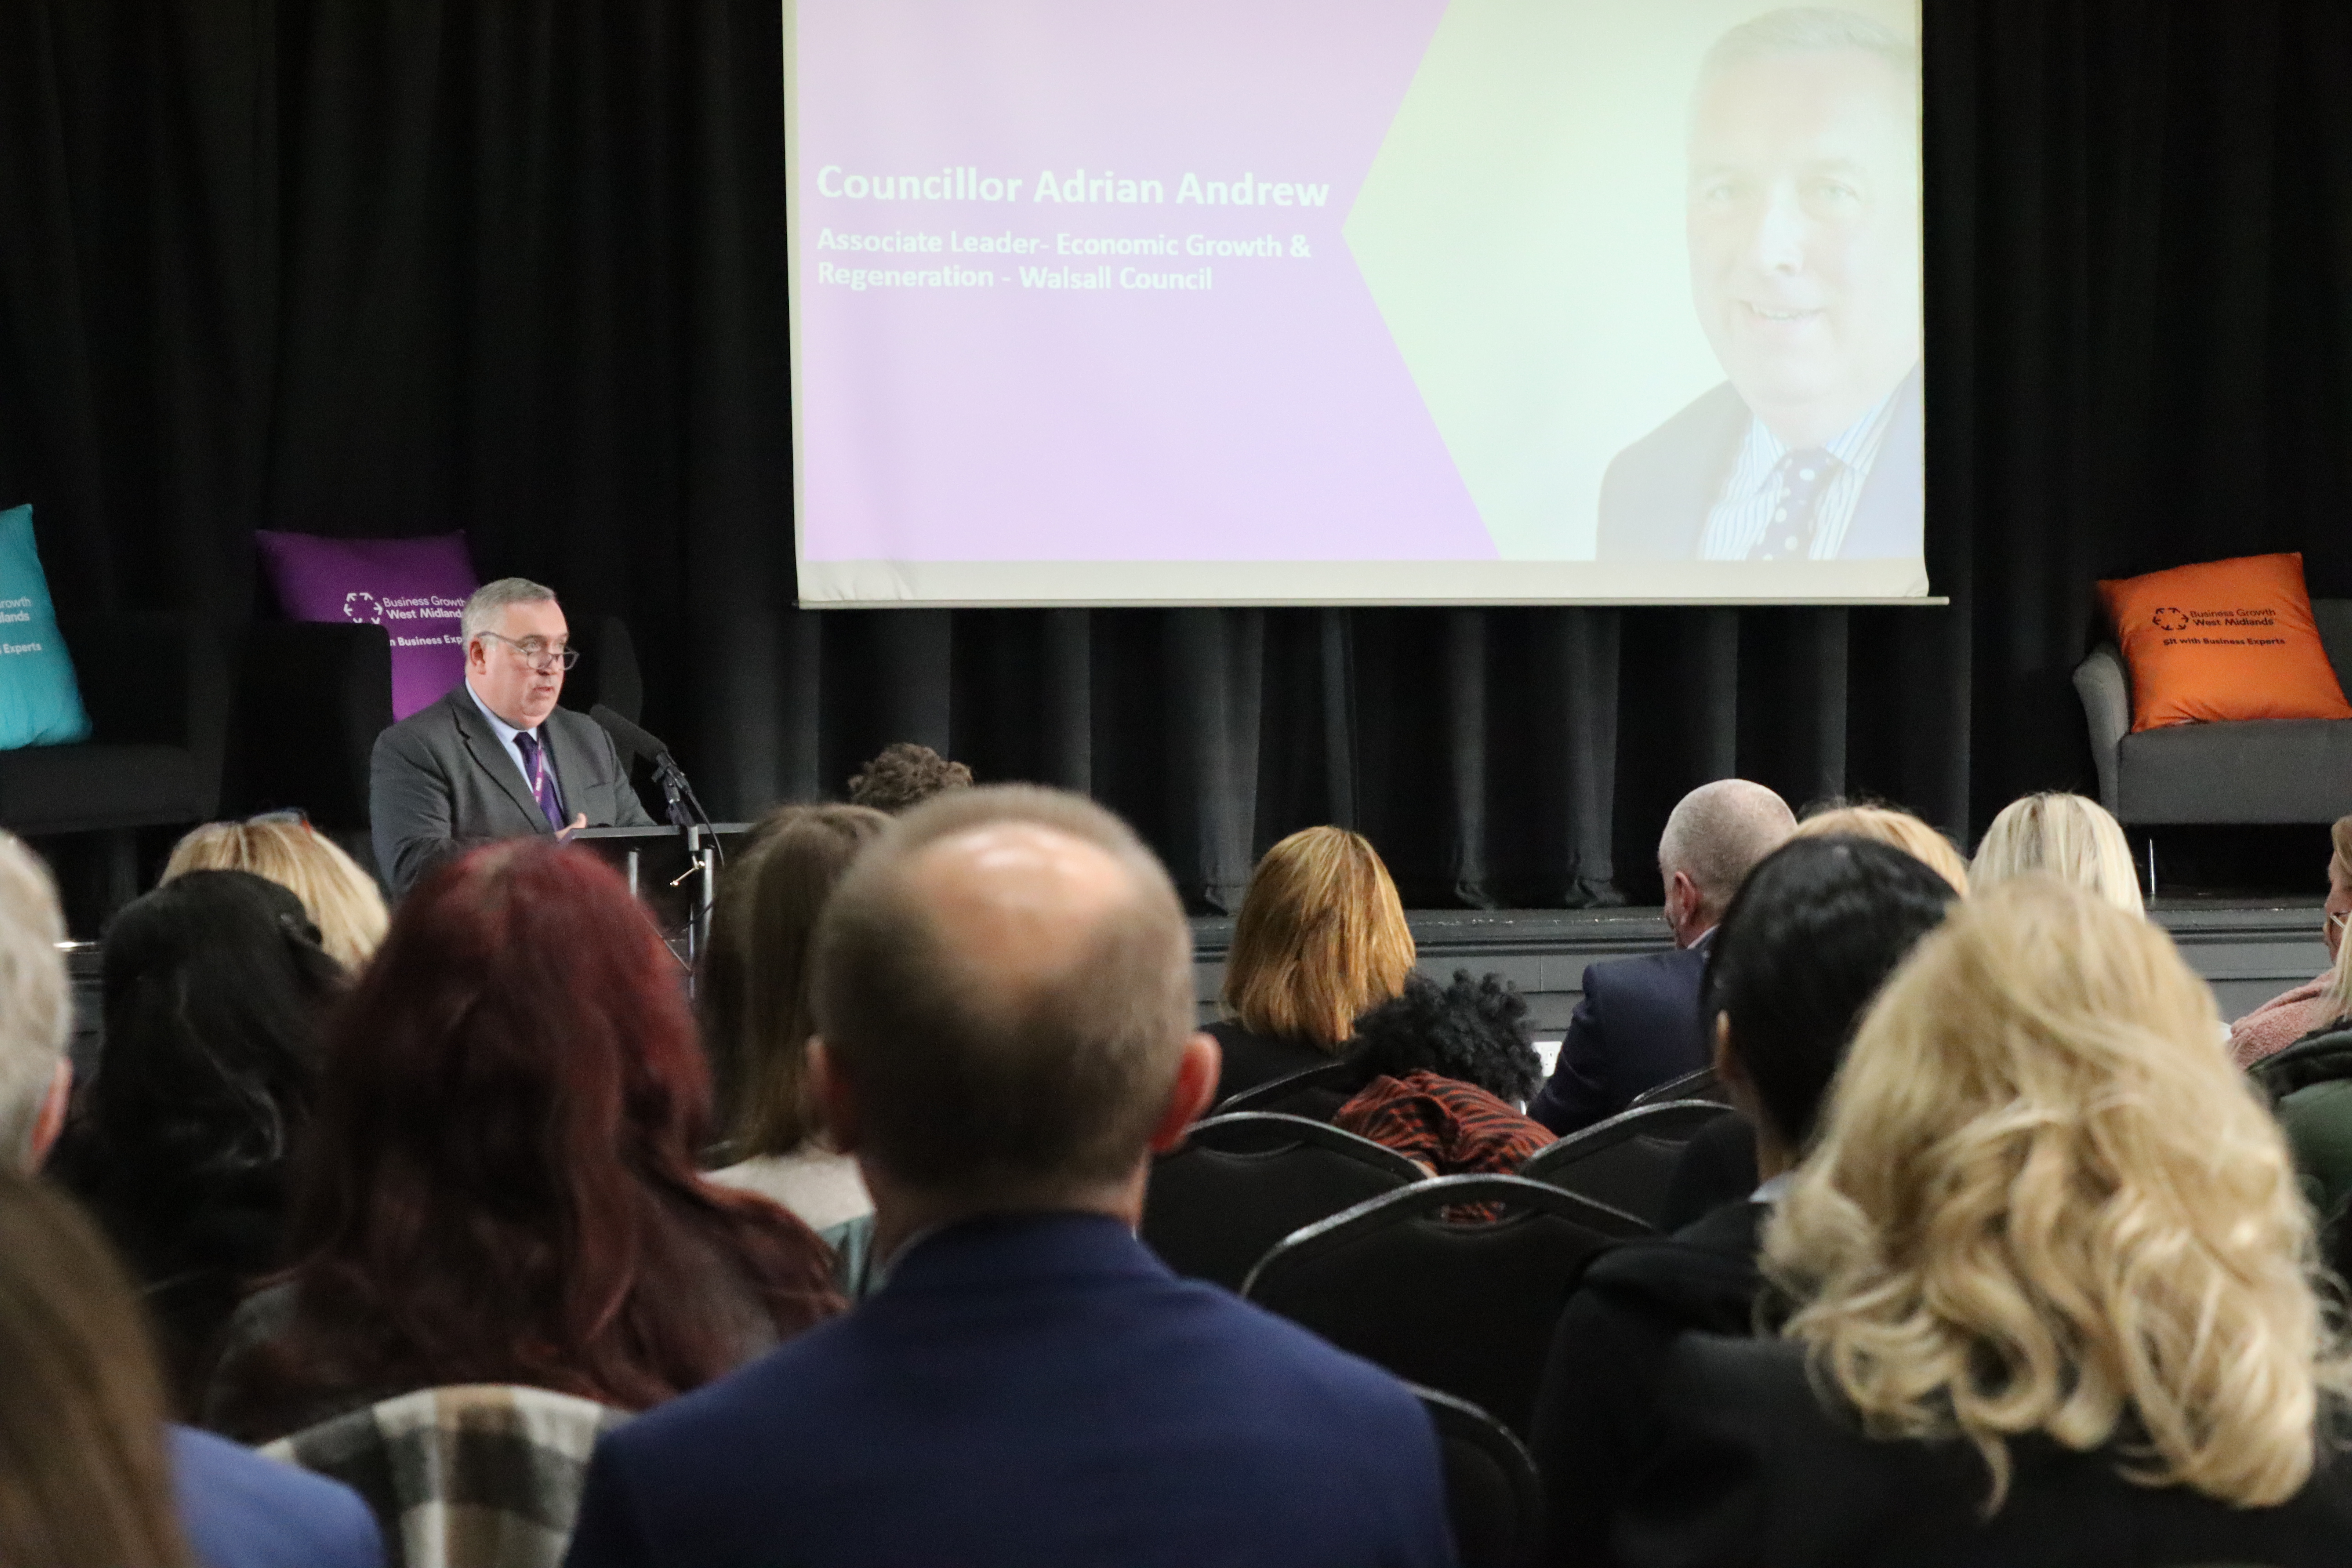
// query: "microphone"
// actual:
[[633, 741]]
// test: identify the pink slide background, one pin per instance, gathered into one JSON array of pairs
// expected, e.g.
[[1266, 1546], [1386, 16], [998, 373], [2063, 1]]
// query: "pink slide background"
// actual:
[[1268, 418]]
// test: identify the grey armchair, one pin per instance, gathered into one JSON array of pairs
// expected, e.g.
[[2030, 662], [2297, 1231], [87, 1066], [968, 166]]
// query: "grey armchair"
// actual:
[[2264, 770]]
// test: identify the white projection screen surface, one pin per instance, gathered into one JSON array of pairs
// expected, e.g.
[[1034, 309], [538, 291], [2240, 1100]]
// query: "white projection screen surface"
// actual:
[[1355, 302]]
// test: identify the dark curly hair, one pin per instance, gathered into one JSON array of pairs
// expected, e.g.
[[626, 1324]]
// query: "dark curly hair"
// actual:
[[904, 776], [1473, 1029]]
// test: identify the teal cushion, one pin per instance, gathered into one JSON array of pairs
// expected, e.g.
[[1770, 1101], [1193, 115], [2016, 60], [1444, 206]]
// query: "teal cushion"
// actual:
[[40, 705]]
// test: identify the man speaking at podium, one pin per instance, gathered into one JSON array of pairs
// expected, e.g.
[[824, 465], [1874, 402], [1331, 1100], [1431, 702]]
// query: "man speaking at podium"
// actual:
[[497, 758]]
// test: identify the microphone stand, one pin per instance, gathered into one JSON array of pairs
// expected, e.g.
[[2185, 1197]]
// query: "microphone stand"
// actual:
[[703, 855]]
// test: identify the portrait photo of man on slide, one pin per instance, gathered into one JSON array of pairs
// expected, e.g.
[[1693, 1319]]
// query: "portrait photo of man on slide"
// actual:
[[1803, 226]]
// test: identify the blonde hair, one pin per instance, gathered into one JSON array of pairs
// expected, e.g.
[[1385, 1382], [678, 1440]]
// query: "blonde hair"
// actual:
[[2043, 1202], [1320, 940], [341, 900], [2072, 838], [35, 998], [1889, 825], [2335, 999]]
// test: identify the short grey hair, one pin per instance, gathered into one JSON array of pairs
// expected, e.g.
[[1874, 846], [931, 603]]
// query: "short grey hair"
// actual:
[[35, 998], [492, 599], [1717, 835], [1808, 30]]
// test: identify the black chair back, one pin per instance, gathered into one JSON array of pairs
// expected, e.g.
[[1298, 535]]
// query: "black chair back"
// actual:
[[1626, 1162], [1492, 1494], [1242, 1182], [1465, 1309], [1700, 1085], [1301, 1093]]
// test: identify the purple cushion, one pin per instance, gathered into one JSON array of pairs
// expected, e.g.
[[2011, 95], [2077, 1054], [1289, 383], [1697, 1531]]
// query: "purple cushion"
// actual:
[[412, 588]]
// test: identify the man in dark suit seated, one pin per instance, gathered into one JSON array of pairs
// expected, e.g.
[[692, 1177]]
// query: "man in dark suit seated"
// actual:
[[1003, 999], [1637, 1024], [497, 758], [1803, 215], [1816, 930]]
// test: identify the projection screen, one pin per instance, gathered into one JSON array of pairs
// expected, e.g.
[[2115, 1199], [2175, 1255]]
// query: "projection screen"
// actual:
[[1350, 301]]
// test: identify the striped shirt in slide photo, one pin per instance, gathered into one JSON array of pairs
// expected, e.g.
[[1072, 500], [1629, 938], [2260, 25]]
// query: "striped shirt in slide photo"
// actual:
[[1757, 487]]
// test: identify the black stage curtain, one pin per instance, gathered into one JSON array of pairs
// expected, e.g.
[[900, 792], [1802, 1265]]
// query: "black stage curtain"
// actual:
[[368, 267]]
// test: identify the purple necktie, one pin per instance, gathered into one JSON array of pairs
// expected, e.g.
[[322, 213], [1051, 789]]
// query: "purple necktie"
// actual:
[[542, 783]]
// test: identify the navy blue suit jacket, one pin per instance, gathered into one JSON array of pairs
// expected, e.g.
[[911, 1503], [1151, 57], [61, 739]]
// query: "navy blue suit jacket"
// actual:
[[1028, 1390], [242, 1510], [1656, 495], [1635, 1026]]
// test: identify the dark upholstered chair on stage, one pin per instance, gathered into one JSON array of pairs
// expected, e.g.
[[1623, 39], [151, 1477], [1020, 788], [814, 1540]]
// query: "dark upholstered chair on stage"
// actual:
[[1322, 1088], [152, 686], [1493, 1495], [1700, 1085], [1465, 1309], [1628, 1161], [1241, 1183], [2263, 770]]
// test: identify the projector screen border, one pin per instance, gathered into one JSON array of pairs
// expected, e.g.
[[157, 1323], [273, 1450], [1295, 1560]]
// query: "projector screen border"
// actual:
[[1136, 584]]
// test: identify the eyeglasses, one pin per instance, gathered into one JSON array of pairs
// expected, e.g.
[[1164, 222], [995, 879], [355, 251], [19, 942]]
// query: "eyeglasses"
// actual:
[[537, 653]]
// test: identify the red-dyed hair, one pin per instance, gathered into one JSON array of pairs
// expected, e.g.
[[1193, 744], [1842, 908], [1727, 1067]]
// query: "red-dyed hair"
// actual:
[[499, 1184]]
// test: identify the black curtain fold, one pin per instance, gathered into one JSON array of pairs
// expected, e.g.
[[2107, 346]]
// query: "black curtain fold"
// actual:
[[394, 267]]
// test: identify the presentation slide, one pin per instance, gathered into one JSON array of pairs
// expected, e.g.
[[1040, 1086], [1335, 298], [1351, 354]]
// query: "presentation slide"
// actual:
[[1355, 302]]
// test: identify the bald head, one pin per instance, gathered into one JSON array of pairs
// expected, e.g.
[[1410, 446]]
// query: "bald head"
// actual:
[[1004, 978], [1717, 835]]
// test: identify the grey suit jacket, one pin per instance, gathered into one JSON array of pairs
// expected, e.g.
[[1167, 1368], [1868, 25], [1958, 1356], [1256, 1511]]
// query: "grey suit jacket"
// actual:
[[441, 781], [1657, 492]]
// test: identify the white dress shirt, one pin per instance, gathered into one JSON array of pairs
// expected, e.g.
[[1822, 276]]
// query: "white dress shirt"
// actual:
[[1752, 495]]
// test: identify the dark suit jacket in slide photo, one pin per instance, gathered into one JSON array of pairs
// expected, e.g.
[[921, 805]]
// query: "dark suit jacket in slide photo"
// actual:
[[1754, 1472], [1656, 495], [1635, 1026], [441, 782]]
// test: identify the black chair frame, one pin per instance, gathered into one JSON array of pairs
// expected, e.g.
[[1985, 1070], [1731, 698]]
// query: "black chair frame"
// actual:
[[1701, 1084], [1509, 1541], [1333, 1074], [1265, 1133], [1425, 1199]]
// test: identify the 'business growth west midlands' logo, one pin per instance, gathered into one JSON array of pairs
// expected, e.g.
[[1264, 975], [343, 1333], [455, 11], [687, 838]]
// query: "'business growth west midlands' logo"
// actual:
[[2171, 620], [359, 605]]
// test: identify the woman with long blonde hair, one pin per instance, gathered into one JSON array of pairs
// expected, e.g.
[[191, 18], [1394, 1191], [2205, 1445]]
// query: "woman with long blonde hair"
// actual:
[[342, 899], [2070, 837], [1320, 940], [2053, 1289]]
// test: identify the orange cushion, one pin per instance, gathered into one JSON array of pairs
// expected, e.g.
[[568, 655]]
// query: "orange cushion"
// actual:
[[2229, 640]]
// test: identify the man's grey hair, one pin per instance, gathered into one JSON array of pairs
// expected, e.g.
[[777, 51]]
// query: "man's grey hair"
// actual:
[[1717, 835], [1809, 30], [36, 999], [492, 599]]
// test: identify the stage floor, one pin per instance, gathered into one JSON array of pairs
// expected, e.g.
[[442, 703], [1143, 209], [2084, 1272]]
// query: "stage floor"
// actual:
[[2248, 950]]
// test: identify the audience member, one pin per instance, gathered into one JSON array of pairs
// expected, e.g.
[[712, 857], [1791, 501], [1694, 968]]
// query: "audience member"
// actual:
[[1814, 932], [35, 1009], [341, 900], [240, 1509], [1637, 1024], [2326, 1002], [1445, 1069], [501, 1187], [755, 1000], [2072, 838], [215, 988], [1891, 824], [2054, 1288], [903, 776], [1004, 1003], [1320, 940]]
